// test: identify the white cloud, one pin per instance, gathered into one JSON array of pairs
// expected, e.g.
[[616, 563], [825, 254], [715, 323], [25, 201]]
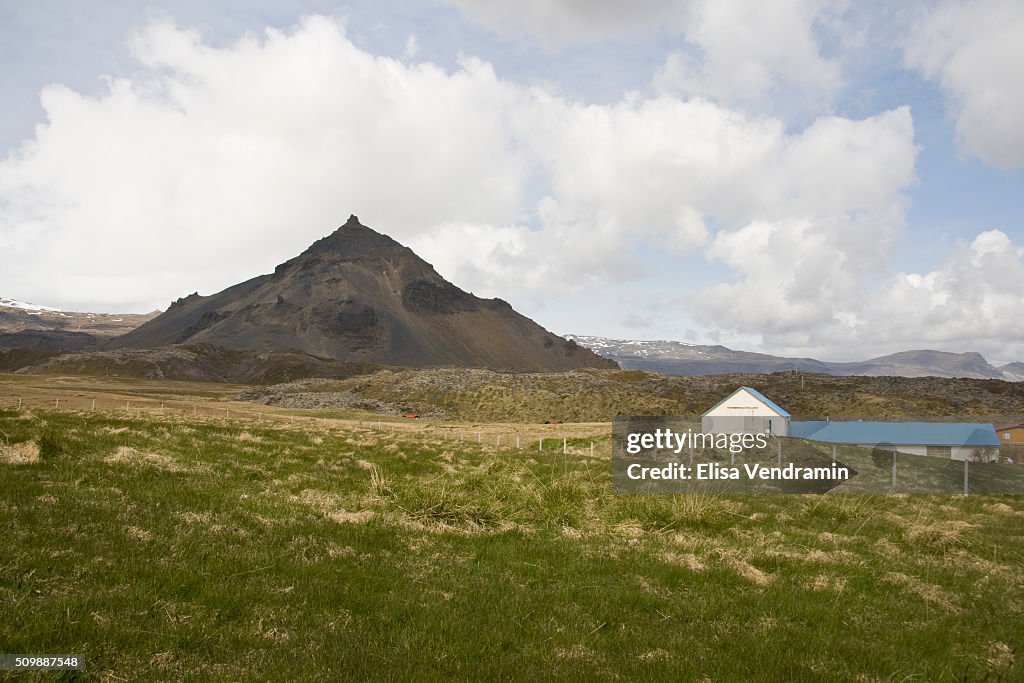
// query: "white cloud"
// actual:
[[974, 300], [833, 201], [751, 53], [212, 165], [761, 56], [805, 298], [654, 171], [975, 52], [792, 278]]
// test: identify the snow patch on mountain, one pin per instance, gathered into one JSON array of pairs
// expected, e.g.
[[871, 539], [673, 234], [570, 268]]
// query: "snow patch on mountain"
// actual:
[[11, 303]]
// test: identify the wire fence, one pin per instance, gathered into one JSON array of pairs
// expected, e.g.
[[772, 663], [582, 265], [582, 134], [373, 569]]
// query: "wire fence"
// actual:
[[137, 405], [546, 438]]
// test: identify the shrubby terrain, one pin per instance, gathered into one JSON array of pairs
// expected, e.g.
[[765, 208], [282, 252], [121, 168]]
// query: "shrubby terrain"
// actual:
[[599, 395]]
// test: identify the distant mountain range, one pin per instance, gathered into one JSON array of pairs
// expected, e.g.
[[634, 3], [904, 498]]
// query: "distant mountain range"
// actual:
[[358, 300], [679, 358], [18, 316]]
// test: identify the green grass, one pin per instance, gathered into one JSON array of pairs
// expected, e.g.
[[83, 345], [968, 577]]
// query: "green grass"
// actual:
[[181, 549]]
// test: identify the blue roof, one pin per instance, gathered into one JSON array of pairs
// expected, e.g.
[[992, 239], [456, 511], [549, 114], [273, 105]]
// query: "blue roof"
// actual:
[[897, 433], [757, 394], [771, 404]]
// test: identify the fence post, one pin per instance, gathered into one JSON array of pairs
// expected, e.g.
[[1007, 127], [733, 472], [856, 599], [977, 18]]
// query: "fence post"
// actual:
[[833, 454], [966, 468], [56, 404], [478, 437], [591, 449], [565, 446], [19, 403], [894, 468], [540, 443], [94, 404], [498, 442], [161, 408], [127, 406], [517, 441]]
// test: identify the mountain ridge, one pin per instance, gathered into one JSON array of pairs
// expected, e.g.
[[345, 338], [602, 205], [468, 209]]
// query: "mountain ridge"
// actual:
[[19, 316], [681, 358]]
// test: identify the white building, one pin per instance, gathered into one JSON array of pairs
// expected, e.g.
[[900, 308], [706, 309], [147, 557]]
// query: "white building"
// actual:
[[746, 411]]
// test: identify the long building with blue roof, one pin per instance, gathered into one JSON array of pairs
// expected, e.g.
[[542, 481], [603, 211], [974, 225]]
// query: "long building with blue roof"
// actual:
[[957, 440], [747, 410]]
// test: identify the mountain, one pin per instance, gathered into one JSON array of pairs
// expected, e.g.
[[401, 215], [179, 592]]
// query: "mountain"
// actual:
[[360, 296], [679, 358], [1014, 372], [11, 303], [17, 316], [921, 364], [30, 334]]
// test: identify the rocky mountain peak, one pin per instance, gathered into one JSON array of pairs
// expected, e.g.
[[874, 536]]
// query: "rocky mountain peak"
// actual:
[[358, 295], [353, 240]]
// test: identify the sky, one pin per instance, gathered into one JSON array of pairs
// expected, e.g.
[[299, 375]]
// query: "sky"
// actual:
[[833, 179]]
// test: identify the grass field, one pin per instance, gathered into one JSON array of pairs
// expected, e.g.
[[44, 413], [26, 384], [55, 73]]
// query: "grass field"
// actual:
[[187, 548]]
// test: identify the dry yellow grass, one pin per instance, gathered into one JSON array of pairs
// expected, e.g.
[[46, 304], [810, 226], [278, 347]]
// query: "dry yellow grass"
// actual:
[[826, 582], [20, 453], [1001, 655], [688, 560], [946, 534], [928, 592], [733, 561], [127, 454]]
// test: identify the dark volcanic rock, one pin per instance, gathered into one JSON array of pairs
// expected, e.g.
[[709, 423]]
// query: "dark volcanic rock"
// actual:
[[31, 346], [47, 340], [422, 296], [195, 362], [360, 296]]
